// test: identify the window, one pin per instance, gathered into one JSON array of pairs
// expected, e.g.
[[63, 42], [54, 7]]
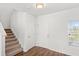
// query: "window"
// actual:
[[73, 33]]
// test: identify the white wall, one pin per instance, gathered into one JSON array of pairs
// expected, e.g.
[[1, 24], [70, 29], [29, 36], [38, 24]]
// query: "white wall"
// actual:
[[4, 16], [53, 31], [5, 21], [2, 40], [30, 35], [23, 25]]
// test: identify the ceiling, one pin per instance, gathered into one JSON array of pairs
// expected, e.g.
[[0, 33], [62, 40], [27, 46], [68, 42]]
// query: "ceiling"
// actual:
[[7, 8]]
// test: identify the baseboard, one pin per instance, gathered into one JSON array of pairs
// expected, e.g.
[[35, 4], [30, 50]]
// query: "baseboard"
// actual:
[[54, 50]]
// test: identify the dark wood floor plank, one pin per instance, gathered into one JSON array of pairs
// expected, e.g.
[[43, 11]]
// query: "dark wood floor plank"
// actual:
[[39, 51]]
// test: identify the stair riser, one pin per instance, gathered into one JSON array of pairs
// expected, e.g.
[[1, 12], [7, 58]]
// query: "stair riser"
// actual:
[[9, 34], [10, 37], [10, 40], [13, 43]]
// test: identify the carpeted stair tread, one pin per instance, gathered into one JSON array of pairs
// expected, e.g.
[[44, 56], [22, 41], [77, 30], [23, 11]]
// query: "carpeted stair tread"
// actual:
[[14, 52], [11, 36], [11, 39], [11, 47], [12, 43]]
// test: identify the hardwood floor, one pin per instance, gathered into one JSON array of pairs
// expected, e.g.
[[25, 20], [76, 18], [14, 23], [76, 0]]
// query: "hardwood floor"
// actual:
[[39, 51]]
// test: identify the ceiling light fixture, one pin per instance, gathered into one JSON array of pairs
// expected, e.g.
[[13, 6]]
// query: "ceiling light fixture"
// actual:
[[40, 5]]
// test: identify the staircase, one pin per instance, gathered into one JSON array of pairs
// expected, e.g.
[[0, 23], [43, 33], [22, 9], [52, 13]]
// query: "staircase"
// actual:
[[12, 46]]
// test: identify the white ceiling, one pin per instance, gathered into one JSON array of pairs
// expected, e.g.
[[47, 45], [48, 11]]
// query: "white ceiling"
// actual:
[[7, 8]]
